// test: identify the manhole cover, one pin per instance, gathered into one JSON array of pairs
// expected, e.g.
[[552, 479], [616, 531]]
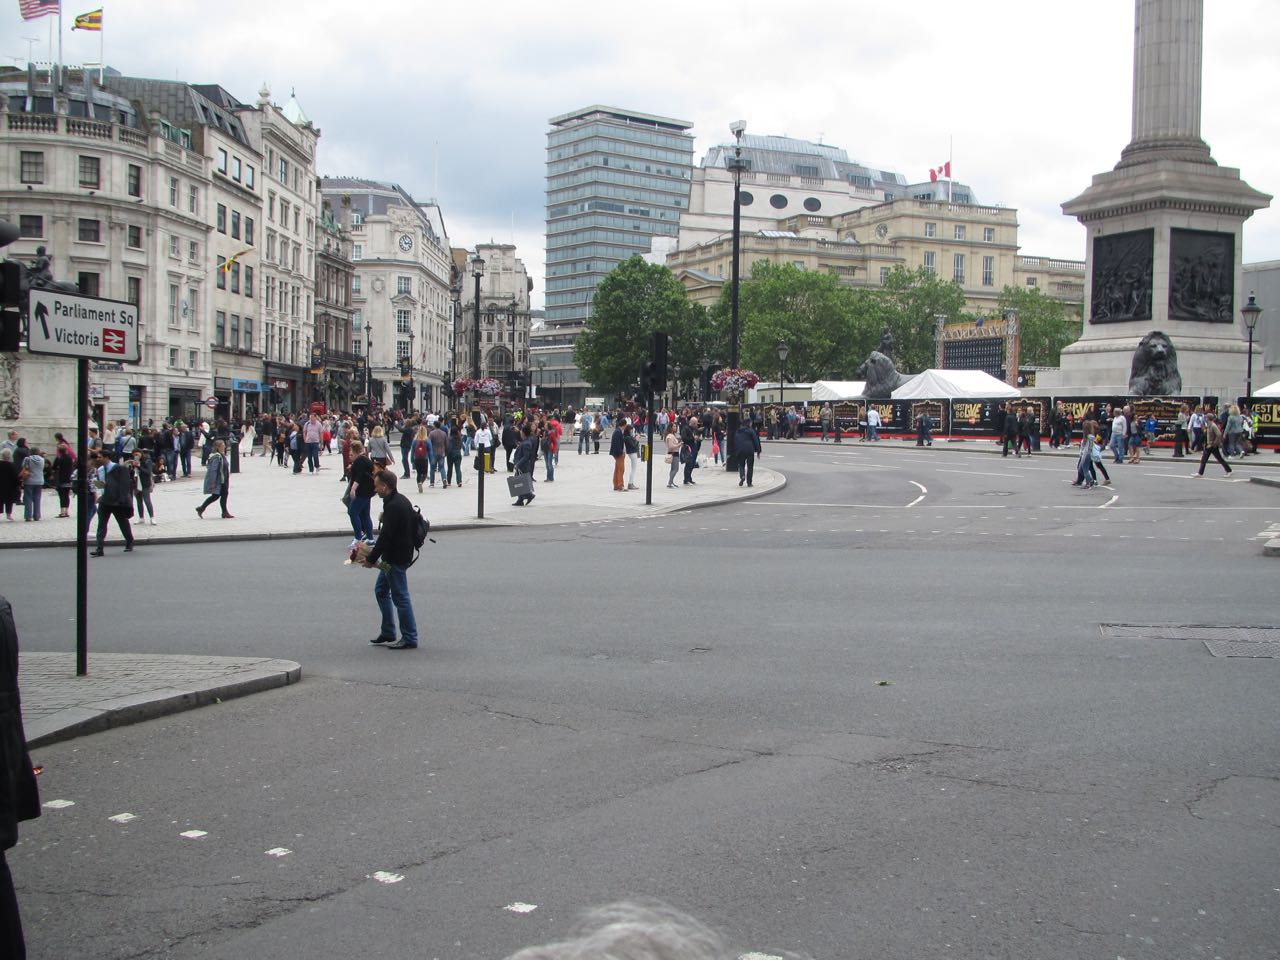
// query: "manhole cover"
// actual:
[[1219, 640]]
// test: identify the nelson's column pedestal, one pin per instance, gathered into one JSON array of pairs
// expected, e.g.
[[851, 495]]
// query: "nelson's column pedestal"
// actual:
[[1164, 229]]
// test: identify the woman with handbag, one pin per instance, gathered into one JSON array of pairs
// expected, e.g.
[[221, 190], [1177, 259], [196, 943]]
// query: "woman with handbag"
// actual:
[[31, 473], [379, 449], [526, 455], [672, 440]]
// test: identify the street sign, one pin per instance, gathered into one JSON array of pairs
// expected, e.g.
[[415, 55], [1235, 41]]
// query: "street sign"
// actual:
[[211, 403], [71, 325]]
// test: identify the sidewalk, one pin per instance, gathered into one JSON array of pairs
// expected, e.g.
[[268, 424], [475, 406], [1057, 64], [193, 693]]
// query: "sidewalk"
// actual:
[[270, 501]]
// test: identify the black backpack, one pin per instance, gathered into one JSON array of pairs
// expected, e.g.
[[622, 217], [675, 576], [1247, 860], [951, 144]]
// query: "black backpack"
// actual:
[[421, 533]]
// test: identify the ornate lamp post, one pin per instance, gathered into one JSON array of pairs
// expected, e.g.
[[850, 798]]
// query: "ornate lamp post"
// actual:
[[736, 165], [783, 351], [1251, 312], [477, 271], [368, 349]]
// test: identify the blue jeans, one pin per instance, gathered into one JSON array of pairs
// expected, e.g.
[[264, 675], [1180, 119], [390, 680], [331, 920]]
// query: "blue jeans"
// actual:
[[313, 457], [31, 502], [171, 463], [361, 519], [873, 432], [186, 463], [404, 460], [1117, 447], [392, 588], [438, 469], [550, 459]]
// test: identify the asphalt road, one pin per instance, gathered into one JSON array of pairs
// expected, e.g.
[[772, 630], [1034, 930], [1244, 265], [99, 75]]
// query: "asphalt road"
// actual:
[[874, 716]]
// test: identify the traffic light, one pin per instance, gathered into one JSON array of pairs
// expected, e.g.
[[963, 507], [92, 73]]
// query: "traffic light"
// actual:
[[658, 361], [649, 379], [10, 294]]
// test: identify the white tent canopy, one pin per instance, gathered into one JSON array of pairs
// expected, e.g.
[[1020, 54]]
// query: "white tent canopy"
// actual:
[[824, 390], [1271, 390], [954, 384]]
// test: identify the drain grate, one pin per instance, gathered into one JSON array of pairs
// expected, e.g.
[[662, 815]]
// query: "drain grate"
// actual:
[[1219, 640]]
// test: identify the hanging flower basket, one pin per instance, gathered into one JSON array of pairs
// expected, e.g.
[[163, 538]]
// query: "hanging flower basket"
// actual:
[[489, 387], [462, 385], [733, 382]]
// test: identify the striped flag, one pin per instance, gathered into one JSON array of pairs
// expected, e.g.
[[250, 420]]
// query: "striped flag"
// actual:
[[35, 9], [89, 21], [226, 267]]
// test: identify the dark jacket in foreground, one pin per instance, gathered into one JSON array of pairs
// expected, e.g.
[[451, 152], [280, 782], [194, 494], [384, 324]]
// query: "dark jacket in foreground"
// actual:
[[395, 532], [19, 796]]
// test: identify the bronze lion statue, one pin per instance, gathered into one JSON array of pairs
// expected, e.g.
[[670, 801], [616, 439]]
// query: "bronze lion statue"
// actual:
[[1155, 367]]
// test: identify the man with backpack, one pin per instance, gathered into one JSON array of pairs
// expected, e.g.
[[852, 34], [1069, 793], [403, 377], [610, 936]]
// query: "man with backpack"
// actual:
[[393, 554]]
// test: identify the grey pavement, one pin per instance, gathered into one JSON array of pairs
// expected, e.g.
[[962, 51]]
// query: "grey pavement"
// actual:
[[269, 501]]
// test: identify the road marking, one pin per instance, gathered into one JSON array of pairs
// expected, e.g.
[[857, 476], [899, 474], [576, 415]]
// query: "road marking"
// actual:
[[1114, 498], [58, 804], [518, 907], [924, 492], [979, 473], [382, 876], [278, 852], [123, 817], [194, 834]]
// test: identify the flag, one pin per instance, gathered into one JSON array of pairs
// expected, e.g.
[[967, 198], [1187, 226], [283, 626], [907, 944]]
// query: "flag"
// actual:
[[35, 9], [942, 171], [226, 267], [89, 21]]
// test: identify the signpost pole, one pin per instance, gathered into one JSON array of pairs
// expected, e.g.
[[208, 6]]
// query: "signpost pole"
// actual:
[[82, 517]]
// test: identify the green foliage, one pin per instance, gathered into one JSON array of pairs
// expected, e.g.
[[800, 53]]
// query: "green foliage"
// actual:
[[1045, 325], [913, 299], [634, 300]]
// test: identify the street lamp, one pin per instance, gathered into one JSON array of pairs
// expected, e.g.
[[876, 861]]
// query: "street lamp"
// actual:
[[477, 271], [368, 349], [1251, 312], [542, 366], [409, 389], [736, 165], [783, 351]]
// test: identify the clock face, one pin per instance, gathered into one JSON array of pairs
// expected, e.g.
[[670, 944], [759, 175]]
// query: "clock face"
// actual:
[[406, 243], [882, 231]]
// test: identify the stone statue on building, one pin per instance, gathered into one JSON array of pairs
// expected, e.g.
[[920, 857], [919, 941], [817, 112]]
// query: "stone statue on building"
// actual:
[[39, 275]]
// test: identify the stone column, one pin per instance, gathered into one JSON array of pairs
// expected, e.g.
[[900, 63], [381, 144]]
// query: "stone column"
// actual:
[[1168, 53]]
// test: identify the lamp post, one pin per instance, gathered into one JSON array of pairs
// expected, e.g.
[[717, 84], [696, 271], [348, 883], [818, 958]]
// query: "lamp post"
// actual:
[[368, 349], [783, 351], [409, 390], [736, 165], [477, 271], [1251, 312], [542, 366]]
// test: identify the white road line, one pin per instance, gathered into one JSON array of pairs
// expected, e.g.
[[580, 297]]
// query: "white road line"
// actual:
[[924, 492], [194, 834], [382, 876], [520, 907], [58, 804], [978, 473], [1114, 498], [123, 817]]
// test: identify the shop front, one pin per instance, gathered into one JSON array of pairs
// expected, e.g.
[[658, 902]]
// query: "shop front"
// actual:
[[185, 405], [285, 388]]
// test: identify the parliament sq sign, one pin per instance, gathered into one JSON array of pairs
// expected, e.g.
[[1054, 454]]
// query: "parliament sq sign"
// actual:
[[71, 325]]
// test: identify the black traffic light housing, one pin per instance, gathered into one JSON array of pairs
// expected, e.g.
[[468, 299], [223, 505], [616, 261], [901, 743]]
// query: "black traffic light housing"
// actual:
[[657, 365]]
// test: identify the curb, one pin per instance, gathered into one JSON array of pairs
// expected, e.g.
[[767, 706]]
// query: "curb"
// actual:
[[121, 711]]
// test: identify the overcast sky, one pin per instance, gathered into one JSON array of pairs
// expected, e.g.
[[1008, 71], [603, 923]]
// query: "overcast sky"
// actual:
[[452, 99]]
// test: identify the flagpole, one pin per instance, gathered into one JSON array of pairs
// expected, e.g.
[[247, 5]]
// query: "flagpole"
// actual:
[[951, 149], [59, 47], [102, 63]]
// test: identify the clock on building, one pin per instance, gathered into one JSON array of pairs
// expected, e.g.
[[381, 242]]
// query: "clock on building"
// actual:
[[406, 242], [882, 230]]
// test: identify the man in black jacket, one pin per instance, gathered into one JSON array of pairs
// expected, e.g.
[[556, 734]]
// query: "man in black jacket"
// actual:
[[393, 552], [526, 456], [115, 500], [746, 444], [19, 796]]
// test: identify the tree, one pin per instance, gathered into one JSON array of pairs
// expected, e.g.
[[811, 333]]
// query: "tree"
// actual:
[[914, 299], [635, 299], [1044, 324]]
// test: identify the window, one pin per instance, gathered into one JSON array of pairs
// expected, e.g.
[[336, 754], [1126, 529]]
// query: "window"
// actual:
[[31, 166], [222, 160], [248, 333], [30, 225], [988, 234], [222, 219], [233, 333], [403, 321], [402, 349], [173, 309], [173, 191], [988, 271], [133, 237], [930, 229], [404, 284], [248, 176], [958, 271], [959, 231], [284, 213], [1032, 282], [219, 328], [235, 276], [193, 251], [356, 318], [284, 171], [133, 291], [173, 357], [235, 169], [87, 284], [193, 199], [189, 309], [133, 180], [193, 359], [248, 281], [355, 283], [271, 292], [930, 264], [235, 224], [357, 345], [271, 207], [90, 231], [222, 273], [271, 245], [357, 251], [884, 275], [90, 173], [248, 230], [297, 220], [173, 246]]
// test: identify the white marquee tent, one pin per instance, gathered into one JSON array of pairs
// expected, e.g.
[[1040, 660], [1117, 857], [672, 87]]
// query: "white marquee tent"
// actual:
[[954, 384], [1270, 390], [824, 390]]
